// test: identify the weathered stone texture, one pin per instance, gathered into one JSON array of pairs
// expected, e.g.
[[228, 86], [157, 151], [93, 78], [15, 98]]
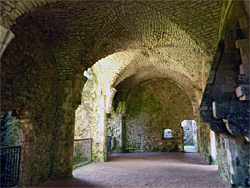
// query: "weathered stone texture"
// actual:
[[204, 140], [82, 32], [28, 85], [230, 118], [115, 126], [149, 113], [56, 40], [233, 159]]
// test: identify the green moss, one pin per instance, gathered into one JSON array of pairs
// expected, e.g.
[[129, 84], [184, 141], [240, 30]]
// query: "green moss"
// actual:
[[145, 104], [81, 164], [151, 107]]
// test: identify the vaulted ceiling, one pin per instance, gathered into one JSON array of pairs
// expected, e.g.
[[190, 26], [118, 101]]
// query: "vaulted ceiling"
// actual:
[[174, 36]]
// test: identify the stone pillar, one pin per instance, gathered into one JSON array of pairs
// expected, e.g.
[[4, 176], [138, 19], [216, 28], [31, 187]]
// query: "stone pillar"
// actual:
[[64, 142], [100, 137], [5, 38]]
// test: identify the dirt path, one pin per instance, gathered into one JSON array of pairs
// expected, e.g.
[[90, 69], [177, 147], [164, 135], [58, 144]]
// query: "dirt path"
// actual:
[[187, 170]]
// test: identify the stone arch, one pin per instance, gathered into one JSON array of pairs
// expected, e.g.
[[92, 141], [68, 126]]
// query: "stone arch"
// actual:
[[147, 110], [153, 25], [13, 10], [109, 72], [199, 21]]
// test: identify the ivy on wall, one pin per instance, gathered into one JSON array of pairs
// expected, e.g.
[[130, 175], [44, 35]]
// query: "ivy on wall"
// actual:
[[11, 132]]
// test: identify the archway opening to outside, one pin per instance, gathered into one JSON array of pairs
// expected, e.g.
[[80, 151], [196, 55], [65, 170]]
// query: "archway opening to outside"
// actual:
[[190, 135]]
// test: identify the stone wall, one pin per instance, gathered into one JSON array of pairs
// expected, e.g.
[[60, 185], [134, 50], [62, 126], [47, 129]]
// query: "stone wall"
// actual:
[[69, 97], [204, 141], [80, 34], [115, 126], [227, 99], [233, 159], [28, 86], [91, 116], [152, 107]]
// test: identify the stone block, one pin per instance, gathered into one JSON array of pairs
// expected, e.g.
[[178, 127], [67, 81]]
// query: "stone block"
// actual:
[[244, 50], [206, 116], [243, 23], [239, 141], [5, 38], [242, 90], [218, 126], [3, 31], [245, 69], [234, 129], [238, 125], [211, 77], [12, 5], [244, 98], [222, 109], [241, 43], [245, 58]]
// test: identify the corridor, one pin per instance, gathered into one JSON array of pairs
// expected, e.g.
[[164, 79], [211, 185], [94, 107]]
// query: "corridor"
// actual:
[[83, 78], [187, 170]]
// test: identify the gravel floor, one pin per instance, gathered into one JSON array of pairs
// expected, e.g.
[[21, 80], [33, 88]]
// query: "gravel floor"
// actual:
[[187, 170]]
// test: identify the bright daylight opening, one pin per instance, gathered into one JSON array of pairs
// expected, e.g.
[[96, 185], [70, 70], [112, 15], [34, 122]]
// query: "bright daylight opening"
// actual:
[[190, 135]]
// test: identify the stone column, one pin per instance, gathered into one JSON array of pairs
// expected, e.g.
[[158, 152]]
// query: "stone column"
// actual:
[[6, 37], [100, 137]]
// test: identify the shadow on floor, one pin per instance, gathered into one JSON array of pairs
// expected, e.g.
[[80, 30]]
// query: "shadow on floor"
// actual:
[[72, 182], [133, 170]]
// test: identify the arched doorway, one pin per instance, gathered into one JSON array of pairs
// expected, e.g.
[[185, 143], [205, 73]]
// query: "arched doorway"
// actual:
[[190, 135]]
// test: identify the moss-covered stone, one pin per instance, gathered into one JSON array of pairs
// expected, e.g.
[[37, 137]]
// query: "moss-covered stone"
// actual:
[[152, 107]]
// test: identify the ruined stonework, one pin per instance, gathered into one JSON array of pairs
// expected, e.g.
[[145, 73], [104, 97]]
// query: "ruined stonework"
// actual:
[[28, 84], [149, 113], [201, 46], [225, 104], [116, 125]]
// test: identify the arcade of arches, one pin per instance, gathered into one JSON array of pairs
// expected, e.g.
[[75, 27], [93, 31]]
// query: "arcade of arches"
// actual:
[[129, 70]]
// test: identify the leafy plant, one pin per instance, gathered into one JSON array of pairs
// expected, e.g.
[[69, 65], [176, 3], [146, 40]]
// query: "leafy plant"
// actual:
[[11, 133]]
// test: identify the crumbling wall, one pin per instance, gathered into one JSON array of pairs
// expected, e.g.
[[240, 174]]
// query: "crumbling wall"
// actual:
[[225, 104], [152, 107], [28, 86]]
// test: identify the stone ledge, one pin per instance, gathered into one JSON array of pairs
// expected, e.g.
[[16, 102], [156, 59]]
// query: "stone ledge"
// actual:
[[237, 125], [236, 116], [218, 126], [243, 90], [241, 43], [222, 109]]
